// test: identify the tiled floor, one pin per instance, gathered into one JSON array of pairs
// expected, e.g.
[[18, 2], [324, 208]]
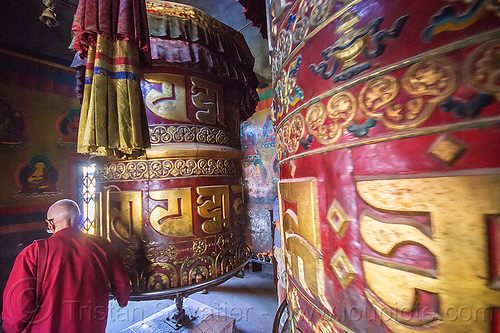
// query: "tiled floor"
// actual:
[[251, 301]]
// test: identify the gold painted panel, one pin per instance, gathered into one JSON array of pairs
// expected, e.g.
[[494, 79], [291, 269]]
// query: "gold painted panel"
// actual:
[[170, 102], [305, 222], [209, 99], [303, 257], [175, 217], [120, 213], [213, 204], [304, 263], [457, 237]]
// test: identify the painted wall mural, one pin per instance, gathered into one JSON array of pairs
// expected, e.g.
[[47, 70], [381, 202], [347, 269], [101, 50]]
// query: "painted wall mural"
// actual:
[[260, 167], [38, 122], [260, 173], [12, 125]]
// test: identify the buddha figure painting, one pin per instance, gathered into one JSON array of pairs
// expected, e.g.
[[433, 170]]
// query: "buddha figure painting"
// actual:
[[37, 178], [67, 127]]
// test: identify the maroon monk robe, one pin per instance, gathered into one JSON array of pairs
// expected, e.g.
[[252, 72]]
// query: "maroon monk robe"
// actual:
[[80, 273]]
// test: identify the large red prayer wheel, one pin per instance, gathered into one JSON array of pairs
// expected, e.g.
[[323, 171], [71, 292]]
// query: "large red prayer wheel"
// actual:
[[387, 126], [176, 215]]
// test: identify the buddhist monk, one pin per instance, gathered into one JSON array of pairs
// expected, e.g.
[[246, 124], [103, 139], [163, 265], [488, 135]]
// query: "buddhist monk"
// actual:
[[63, 284]]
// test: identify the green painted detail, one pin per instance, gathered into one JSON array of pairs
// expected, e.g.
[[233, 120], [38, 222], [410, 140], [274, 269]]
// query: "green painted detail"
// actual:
[[266, 94]]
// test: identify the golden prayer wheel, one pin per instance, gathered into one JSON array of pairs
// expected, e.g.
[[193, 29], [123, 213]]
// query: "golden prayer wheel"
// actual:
[[387, 121], [176, 215]]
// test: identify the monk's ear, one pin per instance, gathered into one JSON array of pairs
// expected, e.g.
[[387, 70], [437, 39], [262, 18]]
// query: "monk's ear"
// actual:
[[78, 222]]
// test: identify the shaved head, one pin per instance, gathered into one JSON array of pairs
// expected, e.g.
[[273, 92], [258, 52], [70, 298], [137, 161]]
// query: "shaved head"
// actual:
[[65, 213]]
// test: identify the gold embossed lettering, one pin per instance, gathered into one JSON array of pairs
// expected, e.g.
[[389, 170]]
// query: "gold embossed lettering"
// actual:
[[175, 218], [213, 203], [457, 206], [207, 97], [301, 235], [170, 102], [120, 213]]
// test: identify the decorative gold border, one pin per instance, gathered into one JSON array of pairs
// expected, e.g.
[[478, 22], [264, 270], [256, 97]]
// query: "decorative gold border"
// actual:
[[168, 168], [186, 11], [479, 123], [477, 39], [184, 133], [219, 240], [172, 8]]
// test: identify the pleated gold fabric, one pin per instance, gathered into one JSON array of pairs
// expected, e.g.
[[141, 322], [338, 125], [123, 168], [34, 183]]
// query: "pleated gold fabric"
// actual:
[[113, 119]]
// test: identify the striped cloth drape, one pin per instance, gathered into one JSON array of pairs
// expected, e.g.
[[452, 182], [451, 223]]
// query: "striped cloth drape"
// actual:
[[114, 37], [112, 120]]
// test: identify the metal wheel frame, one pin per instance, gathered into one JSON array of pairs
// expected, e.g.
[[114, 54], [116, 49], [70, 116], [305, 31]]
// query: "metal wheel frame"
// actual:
[[277, 319], [185, 291]]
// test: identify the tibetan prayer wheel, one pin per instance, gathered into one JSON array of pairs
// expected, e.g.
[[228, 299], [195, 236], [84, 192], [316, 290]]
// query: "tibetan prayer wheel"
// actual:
[[176, 214], [387, 121]]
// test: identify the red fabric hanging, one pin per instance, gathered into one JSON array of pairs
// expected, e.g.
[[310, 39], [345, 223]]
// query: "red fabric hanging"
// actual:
[[255, 11], [113, 19]]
